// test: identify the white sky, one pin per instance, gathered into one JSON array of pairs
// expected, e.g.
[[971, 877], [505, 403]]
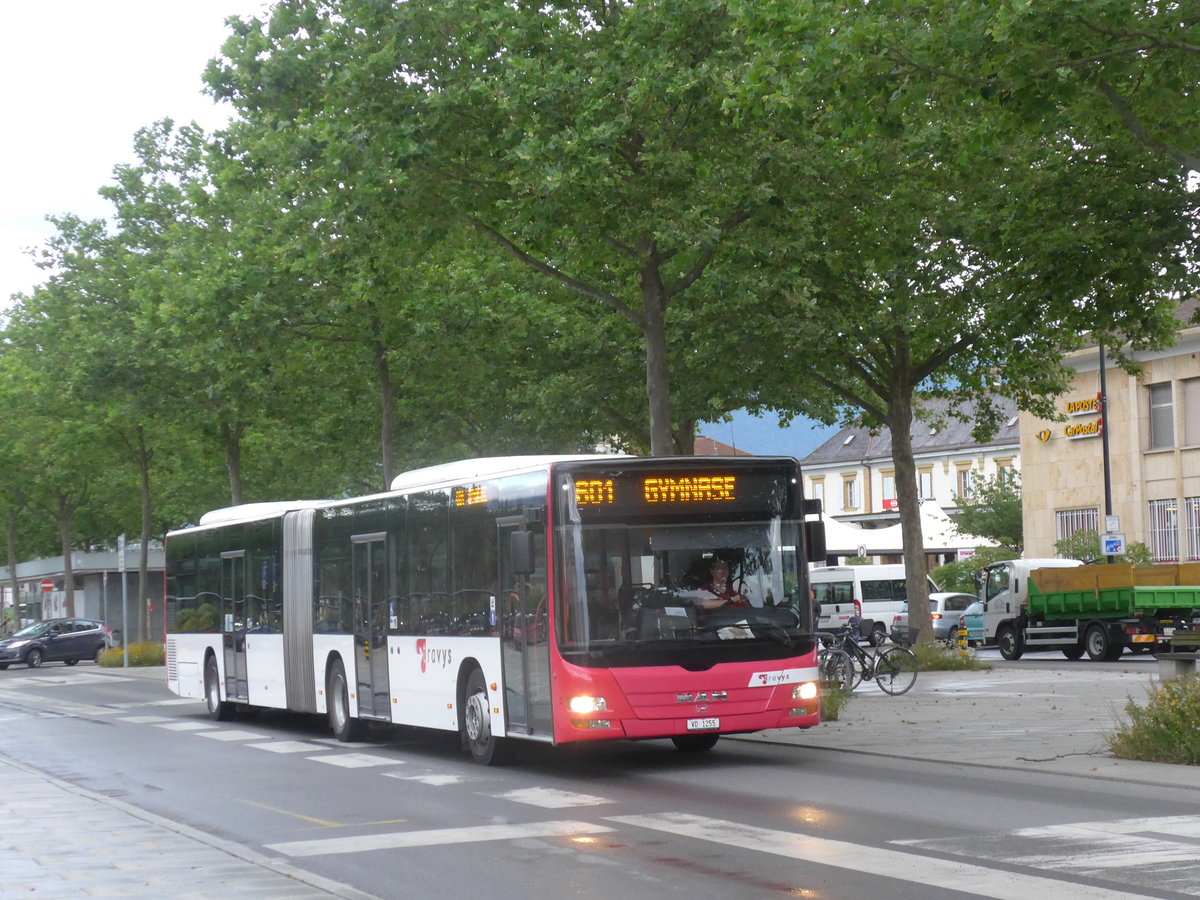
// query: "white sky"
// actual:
[[79, 78]]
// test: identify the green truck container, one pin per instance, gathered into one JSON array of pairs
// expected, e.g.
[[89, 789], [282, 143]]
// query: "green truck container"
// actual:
[[1114, 592], [1100, 610]]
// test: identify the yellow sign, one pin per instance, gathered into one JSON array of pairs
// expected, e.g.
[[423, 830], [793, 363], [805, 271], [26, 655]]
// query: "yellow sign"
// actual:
[[1083, 430], [695, 489], [1088, 406]]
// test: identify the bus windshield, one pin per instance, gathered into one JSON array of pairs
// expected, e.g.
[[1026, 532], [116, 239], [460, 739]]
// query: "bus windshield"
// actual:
[[689, 594]]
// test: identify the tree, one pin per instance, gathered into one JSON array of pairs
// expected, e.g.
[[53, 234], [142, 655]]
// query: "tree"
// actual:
[[589, 142], [1085, 547], [960, 575], [993, 511], [963, 246]]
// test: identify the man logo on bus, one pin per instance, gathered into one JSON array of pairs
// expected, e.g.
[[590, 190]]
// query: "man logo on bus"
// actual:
[[433, 655]]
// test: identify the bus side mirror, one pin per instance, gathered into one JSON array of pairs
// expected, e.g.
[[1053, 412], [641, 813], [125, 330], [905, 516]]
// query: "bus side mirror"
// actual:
[[520, 549], [814, 541]]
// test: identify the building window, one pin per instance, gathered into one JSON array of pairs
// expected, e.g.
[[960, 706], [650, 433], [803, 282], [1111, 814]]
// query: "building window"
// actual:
[[1162, 417], [966, 484], [925, 483], [1069, 521], [888, 488], [1164, 530], [818, 491], [1191, 412], [1191, 527], [850, 493]]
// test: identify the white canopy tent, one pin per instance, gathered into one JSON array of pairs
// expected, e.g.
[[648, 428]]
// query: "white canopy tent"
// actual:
[[937, 531]]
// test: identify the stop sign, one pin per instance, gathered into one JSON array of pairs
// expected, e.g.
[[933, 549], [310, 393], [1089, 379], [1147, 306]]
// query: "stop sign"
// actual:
[[47, 584]]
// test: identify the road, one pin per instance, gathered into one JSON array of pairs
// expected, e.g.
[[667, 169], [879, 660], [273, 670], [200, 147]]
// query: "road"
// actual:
[[408, 815]]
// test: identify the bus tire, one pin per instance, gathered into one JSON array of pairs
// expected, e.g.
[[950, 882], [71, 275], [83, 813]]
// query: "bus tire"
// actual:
[[344, 726], [218, 710], [1009, 643], [476, 722]]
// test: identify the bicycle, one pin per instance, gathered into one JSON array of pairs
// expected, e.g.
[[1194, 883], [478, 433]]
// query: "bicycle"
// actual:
[[893, 668]]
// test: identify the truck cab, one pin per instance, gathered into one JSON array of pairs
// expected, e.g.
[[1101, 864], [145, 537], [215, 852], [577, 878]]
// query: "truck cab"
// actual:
[[1004, 590]]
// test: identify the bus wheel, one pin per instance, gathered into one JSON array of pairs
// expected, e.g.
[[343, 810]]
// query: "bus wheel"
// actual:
[[694, 743], [486, 749], [345, 727], [219, 710]]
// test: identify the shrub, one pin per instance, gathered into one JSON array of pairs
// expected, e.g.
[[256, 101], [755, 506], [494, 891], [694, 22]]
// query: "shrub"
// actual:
[[1166, 729], [833, 701], [147, 653], [934, 656]]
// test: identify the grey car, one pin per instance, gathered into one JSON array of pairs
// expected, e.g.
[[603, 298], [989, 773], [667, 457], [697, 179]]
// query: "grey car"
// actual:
[[945, 609], [55, 640]]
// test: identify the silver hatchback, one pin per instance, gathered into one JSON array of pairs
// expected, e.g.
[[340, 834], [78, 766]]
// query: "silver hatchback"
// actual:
[[945, 609]]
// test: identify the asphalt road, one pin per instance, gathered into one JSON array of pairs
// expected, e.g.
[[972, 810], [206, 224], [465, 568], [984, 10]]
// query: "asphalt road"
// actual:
[[408, 815]]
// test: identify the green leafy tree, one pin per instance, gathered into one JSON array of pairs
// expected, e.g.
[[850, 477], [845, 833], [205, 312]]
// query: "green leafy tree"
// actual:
[[1085, 547], [993, 511], [960, 575]]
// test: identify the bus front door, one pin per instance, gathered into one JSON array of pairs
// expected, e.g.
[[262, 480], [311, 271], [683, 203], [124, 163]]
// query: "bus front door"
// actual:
[[524, 635], [371, 624], [233, 624]]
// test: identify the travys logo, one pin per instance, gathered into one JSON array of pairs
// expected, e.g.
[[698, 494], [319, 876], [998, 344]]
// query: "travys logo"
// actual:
[[433, 656], [765, 679]]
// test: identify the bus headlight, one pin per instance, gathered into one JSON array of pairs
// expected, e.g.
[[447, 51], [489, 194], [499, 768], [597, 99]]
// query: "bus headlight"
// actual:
[[805, 691], [587, 704]]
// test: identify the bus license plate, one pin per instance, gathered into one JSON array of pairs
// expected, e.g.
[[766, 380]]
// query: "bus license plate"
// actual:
[[703, 724]]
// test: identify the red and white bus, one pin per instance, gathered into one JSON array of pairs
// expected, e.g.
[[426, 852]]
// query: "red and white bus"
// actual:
[[552, 599]]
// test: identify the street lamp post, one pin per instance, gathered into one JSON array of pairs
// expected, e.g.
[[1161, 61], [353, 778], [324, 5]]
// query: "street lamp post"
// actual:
[[1104, 442]]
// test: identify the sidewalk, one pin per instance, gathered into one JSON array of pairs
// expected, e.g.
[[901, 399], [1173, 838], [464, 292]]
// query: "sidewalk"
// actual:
[[61, 841], [1013, 716]]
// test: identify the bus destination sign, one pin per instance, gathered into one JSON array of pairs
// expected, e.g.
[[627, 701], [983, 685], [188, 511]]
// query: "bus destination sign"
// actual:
[[649, 491]]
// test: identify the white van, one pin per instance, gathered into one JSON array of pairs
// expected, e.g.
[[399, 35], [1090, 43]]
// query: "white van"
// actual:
[[876, 593]]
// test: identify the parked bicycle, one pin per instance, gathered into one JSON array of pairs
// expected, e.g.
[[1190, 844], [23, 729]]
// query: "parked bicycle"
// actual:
[[893, 667]]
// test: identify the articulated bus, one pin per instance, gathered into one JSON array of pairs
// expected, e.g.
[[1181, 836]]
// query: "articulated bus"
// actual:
[[552, 599]]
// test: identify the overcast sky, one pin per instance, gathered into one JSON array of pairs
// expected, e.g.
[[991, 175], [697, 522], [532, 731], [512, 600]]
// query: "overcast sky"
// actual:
[[79, 78]]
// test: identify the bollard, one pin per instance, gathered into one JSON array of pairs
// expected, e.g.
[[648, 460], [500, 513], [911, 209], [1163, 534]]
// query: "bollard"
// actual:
[[962, 641]]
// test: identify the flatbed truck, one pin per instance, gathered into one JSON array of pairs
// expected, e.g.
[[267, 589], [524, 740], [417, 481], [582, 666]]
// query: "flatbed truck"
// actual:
[[1056, 604]]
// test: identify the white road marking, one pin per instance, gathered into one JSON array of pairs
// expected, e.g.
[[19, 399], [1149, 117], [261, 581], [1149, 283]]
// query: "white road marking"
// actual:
[[286, 746], [233, 735], [1160, 850], [965, 877], [431, 780], [547, 798], [357, 760], [437, 837], [186, 726], [145, 720]]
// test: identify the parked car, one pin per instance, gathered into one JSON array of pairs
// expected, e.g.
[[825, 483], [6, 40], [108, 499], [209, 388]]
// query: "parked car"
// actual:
[[64, 640], [945, 609], [972, 620]]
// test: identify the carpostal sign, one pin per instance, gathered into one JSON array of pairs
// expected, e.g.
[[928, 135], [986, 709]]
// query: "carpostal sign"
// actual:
[[1088, 406]]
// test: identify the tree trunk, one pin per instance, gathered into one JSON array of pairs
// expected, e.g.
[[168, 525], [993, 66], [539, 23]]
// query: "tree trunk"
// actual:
[[14, 584], [144, 457], [232, 436], [907, 495], [65, 515], [654, 330], [387, 414]]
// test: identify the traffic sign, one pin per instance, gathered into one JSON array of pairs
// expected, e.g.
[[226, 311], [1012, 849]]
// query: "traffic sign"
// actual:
[[1113, 544], [47, 584]]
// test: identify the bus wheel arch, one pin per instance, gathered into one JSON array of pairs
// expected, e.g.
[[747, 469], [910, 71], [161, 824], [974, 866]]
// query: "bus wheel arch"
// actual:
[[345, 727], [475, 718]]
